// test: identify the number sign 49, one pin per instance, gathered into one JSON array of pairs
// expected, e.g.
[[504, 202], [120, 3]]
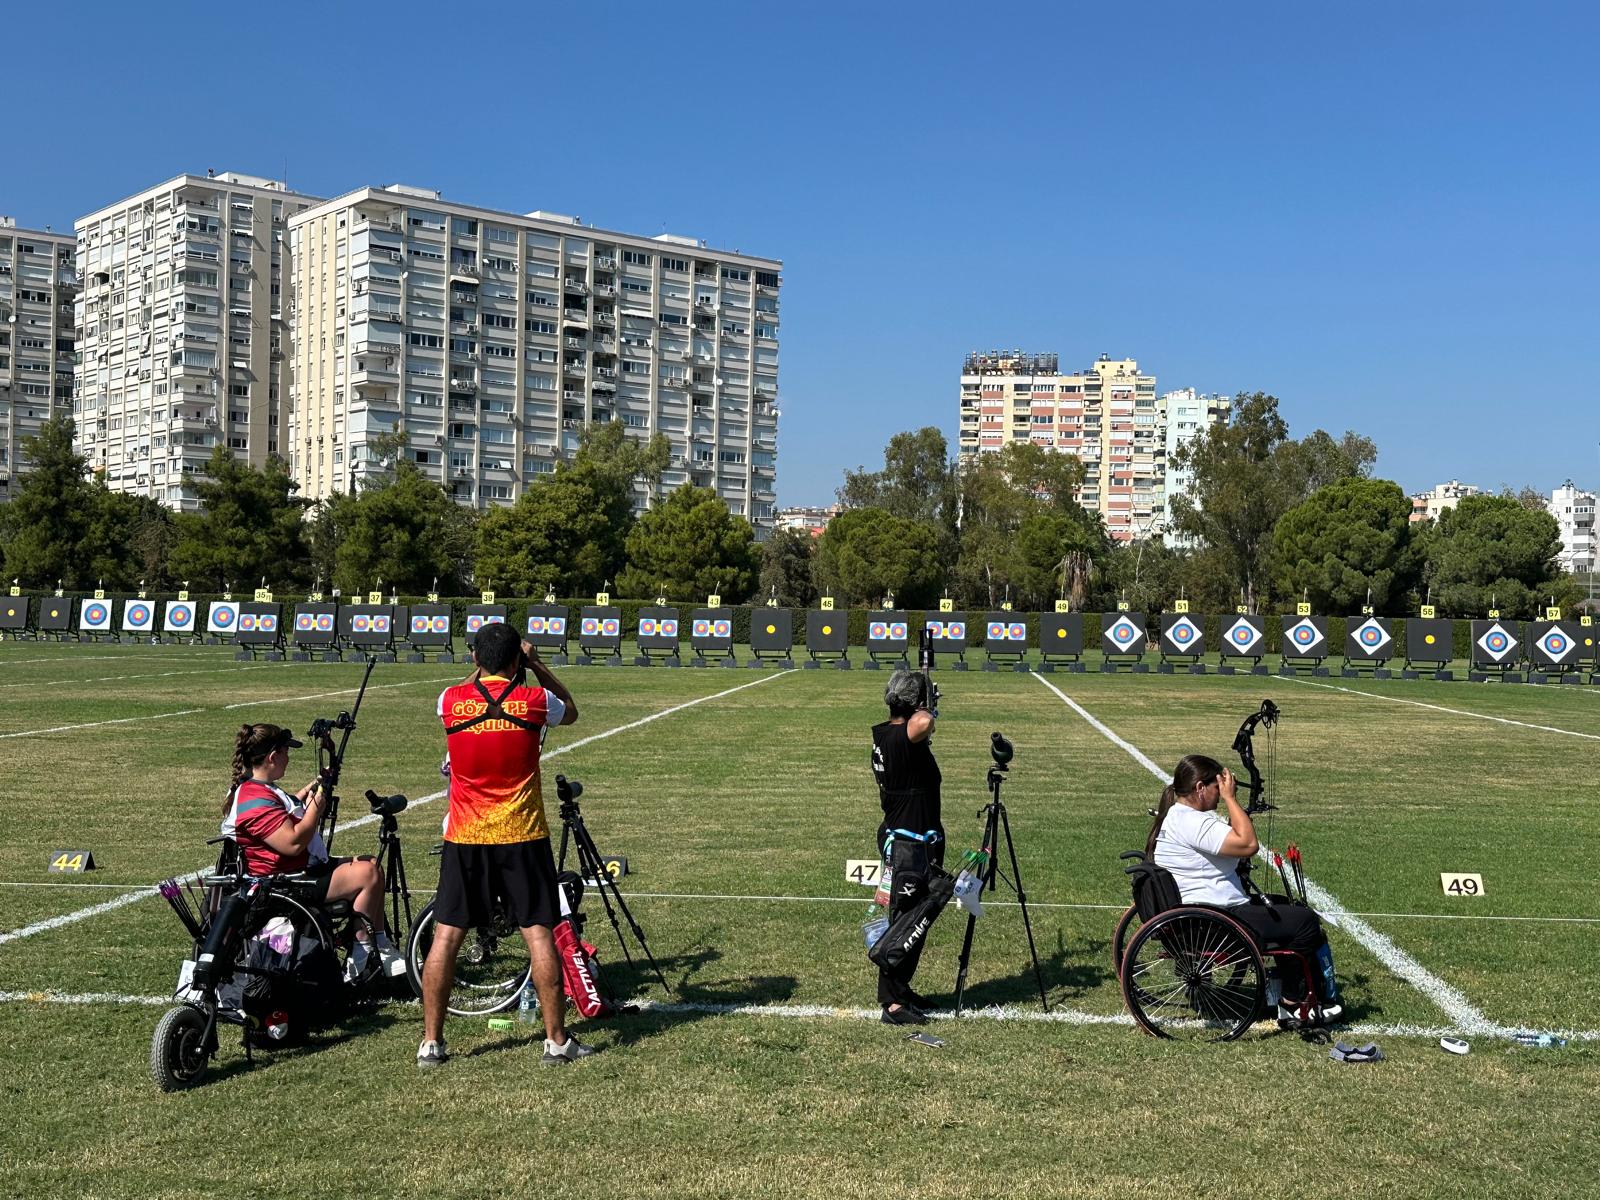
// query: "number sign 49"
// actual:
[[1461, 885]]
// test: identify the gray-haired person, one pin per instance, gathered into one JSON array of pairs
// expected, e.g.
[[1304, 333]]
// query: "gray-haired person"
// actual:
[[911, 835]]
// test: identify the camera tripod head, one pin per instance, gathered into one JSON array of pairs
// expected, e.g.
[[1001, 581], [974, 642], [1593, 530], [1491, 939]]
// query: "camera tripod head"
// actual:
[[1001, 750], [568, 791]]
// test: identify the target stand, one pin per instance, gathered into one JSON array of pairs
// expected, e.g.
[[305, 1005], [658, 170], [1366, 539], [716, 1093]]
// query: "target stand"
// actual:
[[1005, 640], [54, 618], [1304, 645], [1244, 642], [315, 631], [138, 622], [1497, 651], [428, 628], [599, 636], [1123, 638], [94, 620], [772, 638], [1430, 645], [711, 636], [1368, 644], [14, 618], [546, 631], [367, 630], [1182, 644], [260, 632], [947, 635], [1060, 642], [888, 634], [180, 622], [657, 637], [1554, 650], [827, 639]]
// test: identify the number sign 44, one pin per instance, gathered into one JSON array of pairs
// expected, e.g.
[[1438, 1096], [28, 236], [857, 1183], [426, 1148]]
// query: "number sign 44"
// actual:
[[1461, 885]]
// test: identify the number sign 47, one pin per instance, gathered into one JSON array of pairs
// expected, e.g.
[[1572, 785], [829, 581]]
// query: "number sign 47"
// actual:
[[1461, 885], [863, 871]]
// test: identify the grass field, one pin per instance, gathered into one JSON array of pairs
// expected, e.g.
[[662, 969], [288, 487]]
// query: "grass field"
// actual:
[[737, 812]]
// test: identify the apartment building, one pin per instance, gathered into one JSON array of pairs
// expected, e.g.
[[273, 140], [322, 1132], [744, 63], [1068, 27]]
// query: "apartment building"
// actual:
[[182, 330], [1426, 506], [491, 339], [1184, 414], [1108, 415], [812, 519], [38, 286], [1573, 510]]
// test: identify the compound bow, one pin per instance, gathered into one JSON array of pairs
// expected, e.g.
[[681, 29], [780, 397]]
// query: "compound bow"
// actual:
[[1265, 717]]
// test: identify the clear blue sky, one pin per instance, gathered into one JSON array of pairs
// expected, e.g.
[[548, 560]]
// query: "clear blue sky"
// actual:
[[1383, 214]]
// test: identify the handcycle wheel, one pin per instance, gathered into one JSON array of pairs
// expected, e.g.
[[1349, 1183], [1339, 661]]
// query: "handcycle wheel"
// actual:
[[178, 1054], [1193, 974], [491, 966]]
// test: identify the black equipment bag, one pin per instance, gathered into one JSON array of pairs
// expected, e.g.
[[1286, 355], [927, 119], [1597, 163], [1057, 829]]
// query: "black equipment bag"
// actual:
[[909, 929], [1154, 890]]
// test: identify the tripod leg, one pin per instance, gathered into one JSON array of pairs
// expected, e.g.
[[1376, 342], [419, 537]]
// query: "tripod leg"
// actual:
[[606, 883], [1022, 903], [399, 894], [989, 831]]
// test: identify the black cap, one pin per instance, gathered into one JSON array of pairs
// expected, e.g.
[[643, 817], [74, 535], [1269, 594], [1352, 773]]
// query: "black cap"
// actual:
[[285, 738]]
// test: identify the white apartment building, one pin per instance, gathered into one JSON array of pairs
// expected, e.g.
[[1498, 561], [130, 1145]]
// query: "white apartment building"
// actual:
[[1107, 415], [1426, 506], [1184, 413], [490, 339], [1574, 512], [38, 285], [182, 334]]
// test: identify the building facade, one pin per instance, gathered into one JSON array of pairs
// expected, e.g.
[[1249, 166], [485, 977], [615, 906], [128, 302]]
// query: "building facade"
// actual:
[[1573, 510], [1183, 415], [807, 518], [491, 339], [1108, 415], [1426, 506], [182, 330], [38, 288]]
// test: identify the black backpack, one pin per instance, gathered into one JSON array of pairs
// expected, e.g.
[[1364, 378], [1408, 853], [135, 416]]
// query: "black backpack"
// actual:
[[1154, 889]]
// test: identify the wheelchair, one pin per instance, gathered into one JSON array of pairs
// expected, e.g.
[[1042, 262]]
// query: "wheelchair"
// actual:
[[1191, 972], [263, 949]]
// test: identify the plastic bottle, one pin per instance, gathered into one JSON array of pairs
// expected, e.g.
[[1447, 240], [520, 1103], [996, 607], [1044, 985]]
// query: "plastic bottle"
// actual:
[[1544, 1041], [876, 925], [528, 1003], [969, 881], [1274, 991]]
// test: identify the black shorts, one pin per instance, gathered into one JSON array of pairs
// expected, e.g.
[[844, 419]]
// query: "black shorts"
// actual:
[[522, 875], [318, 878]]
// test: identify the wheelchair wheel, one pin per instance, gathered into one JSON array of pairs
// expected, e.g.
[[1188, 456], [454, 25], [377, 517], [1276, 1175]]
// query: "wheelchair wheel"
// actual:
[[178, 1052], [1193, 974], [491, 966], [1127, 926]]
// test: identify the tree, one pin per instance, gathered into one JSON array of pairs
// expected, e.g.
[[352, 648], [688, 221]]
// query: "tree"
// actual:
[[44, 524], [1345, 538], [866, 553], [404, 529], [1493, 552], [788, 559], [250, 526], [1052, 558], [917, 480], [690, 546]]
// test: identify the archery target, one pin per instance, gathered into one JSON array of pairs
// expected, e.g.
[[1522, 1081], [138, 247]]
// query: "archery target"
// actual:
[[95, 616], [428, 625], [1368, 639], [479, 615], [1430, 639], [1495, 644], [370, 625], [827, 632], [590, 627], [419, 623], [381, 623], [14, 612], [701, 629], [55, 613], [268, 623], [324, 622], [887, 632], [711, 630], [305, 622], [1181, 634], [138, 616], [1553, 643], [1244, 636], [178, 618], [258, 623], [1017, 631], [1061, 634], [247, 622], [547, 627], [439, 624], [1122, 633], [600, 628], [658, 629], [771, 630], [1305, 637], [947, 631], [360, 623], [223, 616]]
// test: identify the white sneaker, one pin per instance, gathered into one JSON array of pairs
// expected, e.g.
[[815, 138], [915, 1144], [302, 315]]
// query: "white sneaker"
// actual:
[[355, 967], [432, 1054], [1330, 1012], [555, 1055], [393, 962]]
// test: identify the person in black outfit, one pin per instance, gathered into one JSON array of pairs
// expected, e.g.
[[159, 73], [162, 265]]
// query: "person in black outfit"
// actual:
[[908, 788]]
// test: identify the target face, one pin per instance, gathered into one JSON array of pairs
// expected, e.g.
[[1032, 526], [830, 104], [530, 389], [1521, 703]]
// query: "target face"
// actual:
[[267, 623], [1554, 644], [647, 627], [247, 622], [610, 627], [536, 625], [419, 624], [96, 615], [997, 631], [1123, 633], [1242, 636], [590, 626], [1017, 631], [305, 622], [381, 623], [1303, 636], [827, 630], [878, 631], [700, 629], [439, 624], [224, 616], [180, 618], [897, 630], [1371, 636], [1497, 642], [474, 622], [772, 629], [558, 626], [722, 629], [1184, 633], [137, 616], [669, 629], [360, 623], [324, 622]]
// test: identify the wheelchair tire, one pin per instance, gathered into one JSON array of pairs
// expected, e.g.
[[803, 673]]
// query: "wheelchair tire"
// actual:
[[1193, 974], [1127, 926], [491, 967], [178, 1053]]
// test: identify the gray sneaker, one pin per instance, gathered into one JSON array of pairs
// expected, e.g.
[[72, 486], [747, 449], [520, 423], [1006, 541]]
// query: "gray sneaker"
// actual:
[[432, 1054], [555, 1056]]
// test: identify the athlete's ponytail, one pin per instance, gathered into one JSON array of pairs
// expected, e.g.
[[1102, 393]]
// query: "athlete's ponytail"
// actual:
[[1194, 771]]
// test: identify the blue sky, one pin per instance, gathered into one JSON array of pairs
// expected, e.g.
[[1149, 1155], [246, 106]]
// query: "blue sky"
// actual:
[[1383, 214]]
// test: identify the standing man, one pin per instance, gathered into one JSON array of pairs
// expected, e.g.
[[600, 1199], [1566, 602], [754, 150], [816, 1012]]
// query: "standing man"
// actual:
[[911, 836], [496, 839]]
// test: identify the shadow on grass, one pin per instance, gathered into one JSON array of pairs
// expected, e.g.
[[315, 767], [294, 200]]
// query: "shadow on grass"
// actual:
[[1068, 971], [230, 1059]]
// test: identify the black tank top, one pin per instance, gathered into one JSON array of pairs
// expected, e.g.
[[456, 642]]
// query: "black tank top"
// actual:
[[908, 779]]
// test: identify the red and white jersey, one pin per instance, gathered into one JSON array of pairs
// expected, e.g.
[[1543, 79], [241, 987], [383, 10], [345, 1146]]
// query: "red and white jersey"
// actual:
[[258, 809], [495, 791]]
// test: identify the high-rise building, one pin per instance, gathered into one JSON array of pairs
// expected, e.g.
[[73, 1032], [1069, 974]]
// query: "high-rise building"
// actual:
[[1184, 414], [491, 339], [182, 334], [1426, 506], [38, 284], [1573, 510], [1107, 415]]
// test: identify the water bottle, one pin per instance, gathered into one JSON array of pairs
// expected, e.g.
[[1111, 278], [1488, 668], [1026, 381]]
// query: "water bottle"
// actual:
[[1545, 1041], [1330, 986], [528, 1003], [969, 881], [1274, 991], [877, 924]]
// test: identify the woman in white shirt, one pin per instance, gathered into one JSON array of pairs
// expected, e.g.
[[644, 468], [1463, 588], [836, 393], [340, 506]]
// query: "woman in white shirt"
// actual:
[[1202, 852]]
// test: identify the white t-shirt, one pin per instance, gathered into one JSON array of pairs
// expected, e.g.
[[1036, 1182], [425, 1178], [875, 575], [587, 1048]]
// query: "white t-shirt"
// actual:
[[1188, 846]]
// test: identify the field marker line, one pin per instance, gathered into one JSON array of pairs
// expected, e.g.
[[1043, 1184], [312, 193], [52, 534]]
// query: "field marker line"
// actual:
[[1459, 712], [994, 1012], [95, 910], [182, 712], [1452, 1002], [142, 675], [79, 658], [349, 691]]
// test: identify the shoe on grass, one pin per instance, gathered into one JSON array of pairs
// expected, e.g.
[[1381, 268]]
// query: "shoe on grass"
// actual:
[[555, 1056], [904, 1015], [1291, 1012], [432, 1054]]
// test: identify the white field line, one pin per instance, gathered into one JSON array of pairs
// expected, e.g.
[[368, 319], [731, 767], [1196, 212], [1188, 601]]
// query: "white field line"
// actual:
[[825, 1012], [182, 712], [1458, 712], [78, 658], [117, 902], [74, 682], [1453, 1003]]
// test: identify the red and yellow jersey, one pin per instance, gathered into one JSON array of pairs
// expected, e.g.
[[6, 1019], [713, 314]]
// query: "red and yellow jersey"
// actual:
[[495, 793]]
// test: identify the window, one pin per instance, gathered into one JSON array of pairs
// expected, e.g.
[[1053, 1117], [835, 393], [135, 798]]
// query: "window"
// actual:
[[542, 299], [674, 264], [498, 233], [767, 278], [495, 262], [498, 321], [419, 219], [533, 326], [639, 286], [463, 227], [431, 341], [461, 345], [496, 491], [495, 350], [736, 274], [635, 368], [637, 258]]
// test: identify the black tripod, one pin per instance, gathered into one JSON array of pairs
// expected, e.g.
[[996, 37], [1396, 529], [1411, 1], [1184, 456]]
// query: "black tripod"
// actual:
[[390, 861], [995, 822], [592, 866]]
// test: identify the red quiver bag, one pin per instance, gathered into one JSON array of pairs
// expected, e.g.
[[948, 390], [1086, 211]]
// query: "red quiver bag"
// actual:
[[580, 973]]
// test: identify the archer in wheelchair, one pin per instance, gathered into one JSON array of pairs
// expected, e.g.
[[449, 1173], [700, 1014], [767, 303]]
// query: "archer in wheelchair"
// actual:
[[1197, 966]]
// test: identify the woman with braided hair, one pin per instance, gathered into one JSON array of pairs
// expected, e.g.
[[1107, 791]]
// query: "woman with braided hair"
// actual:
[[278, 833]]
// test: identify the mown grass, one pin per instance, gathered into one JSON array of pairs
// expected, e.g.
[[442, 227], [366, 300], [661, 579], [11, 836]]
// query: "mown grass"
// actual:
[[765, 793]]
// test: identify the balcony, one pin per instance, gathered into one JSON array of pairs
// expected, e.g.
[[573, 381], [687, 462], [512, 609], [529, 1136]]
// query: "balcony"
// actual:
[[575, 316], [571, 394], [604, 319], [576, 286], [463, 383], [465, 273], [375, 368]]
